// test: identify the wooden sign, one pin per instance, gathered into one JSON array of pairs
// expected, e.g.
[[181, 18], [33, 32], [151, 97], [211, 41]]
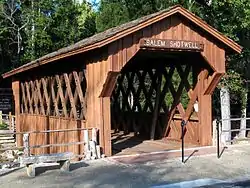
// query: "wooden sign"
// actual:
[[171, 44]]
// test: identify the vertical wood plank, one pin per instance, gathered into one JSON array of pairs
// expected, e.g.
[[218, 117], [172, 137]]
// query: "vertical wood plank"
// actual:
[[205, 113], [16, 93], [156, 107], [106, 126]]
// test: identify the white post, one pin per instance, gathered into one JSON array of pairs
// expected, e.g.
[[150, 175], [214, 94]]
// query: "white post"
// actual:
[[243, 122], [93, 149], [225, 114], [26, 145], [98, 151], [13, 123], [214, 132], [87, 152], [1, 117], [94, 135], [10, 121]]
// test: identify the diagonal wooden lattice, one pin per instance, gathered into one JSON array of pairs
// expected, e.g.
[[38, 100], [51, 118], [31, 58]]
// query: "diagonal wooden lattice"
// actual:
[[60, 95], [164, 90]]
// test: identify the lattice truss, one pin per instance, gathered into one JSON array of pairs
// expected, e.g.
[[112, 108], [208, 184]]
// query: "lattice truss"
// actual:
[[139, 94], [59, 95]]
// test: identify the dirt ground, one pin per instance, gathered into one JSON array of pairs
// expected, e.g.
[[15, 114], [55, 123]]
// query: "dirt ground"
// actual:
[[233, 164]]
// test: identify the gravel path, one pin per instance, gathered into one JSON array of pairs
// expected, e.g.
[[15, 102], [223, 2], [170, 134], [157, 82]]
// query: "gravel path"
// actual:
[[234, 163]]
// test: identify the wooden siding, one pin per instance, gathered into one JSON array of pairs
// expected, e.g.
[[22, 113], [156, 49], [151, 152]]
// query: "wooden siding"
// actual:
[[103, 66], [174, 27], [120, 52], [102, 39], [191, 132], [30, 122]]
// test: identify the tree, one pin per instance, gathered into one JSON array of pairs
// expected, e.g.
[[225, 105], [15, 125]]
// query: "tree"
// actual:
[[12, 27], [232, 18], [116, 12], [57, 24]]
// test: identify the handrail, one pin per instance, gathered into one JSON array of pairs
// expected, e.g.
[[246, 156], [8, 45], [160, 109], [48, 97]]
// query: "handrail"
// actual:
[[48, 131]]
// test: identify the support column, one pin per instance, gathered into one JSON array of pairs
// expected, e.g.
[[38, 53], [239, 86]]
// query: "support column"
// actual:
[[106, 126], [205, 112], [225, 114], [105, 117], [16, 93]]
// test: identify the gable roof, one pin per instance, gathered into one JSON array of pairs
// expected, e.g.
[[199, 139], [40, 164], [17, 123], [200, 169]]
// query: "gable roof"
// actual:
[[101, 39]]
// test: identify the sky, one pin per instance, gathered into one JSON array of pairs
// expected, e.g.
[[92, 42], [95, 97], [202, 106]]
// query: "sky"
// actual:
[[95, 2]]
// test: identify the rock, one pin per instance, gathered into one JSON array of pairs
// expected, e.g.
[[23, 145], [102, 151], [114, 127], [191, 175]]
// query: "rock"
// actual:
[[6, 166], [241, 141], [19, 153], [9, 154], [103, 156]]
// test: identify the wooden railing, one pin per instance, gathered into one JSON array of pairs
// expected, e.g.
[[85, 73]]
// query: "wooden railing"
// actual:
[[89, 147]]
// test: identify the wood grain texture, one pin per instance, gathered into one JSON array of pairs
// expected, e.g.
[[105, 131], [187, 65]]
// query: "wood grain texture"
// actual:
[[86, 93], [43, 123]]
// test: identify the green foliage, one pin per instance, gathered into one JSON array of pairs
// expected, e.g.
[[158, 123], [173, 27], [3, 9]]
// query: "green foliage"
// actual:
[[44, 26], [116, 12], [57, 24], [236, 85], [3, 126], [232, 18]]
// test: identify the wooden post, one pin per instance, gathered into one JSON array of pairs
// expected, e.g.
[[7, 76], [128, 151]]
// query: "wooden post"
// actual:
[[106, 126], [26, 145], [205, 112], [156, 110], [16, 93], [10, 121]]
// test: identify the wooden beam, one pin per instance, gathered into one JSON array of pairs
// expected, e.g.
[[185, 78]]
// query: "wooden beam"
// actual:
[[80, 93], [29, 98], [212, 83], [193, 98], [176, 97], [34, 96], [60, 91], [16, 93], [54, 98], [69, 91], [205, 113], [109, 84], [105, 131], [24, 98], [173, 108], [156, 109], [38, 85], [45, 92]]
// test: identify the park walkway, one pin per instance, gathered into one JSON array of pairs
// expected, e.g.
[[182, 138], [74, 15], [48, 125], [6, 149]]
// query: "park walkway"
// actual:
[[233, 164]]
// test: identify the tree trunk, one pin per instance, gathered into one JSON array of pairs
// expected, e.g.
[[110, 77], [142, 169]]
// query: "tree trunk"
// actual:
[[243, 123], [33, 30], [225, 114]]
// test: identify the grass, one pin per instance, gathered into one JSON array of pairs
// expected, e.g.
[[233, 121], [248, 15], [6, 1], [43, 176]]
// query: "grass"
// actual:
[[3, 126]]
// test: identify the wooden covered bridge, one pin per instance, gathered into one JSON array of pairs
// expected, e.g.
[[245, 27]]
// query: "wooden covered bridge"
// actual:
[[145, 76]]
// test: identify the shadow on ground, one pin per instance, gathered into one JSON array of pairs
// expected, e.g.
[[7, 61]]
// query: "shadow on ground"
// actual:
[[108, 174], [239, 184]]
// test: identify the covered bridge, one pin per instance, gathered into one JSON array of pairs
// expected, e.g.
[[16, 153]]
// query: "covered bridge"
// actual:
[[145, 76]]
